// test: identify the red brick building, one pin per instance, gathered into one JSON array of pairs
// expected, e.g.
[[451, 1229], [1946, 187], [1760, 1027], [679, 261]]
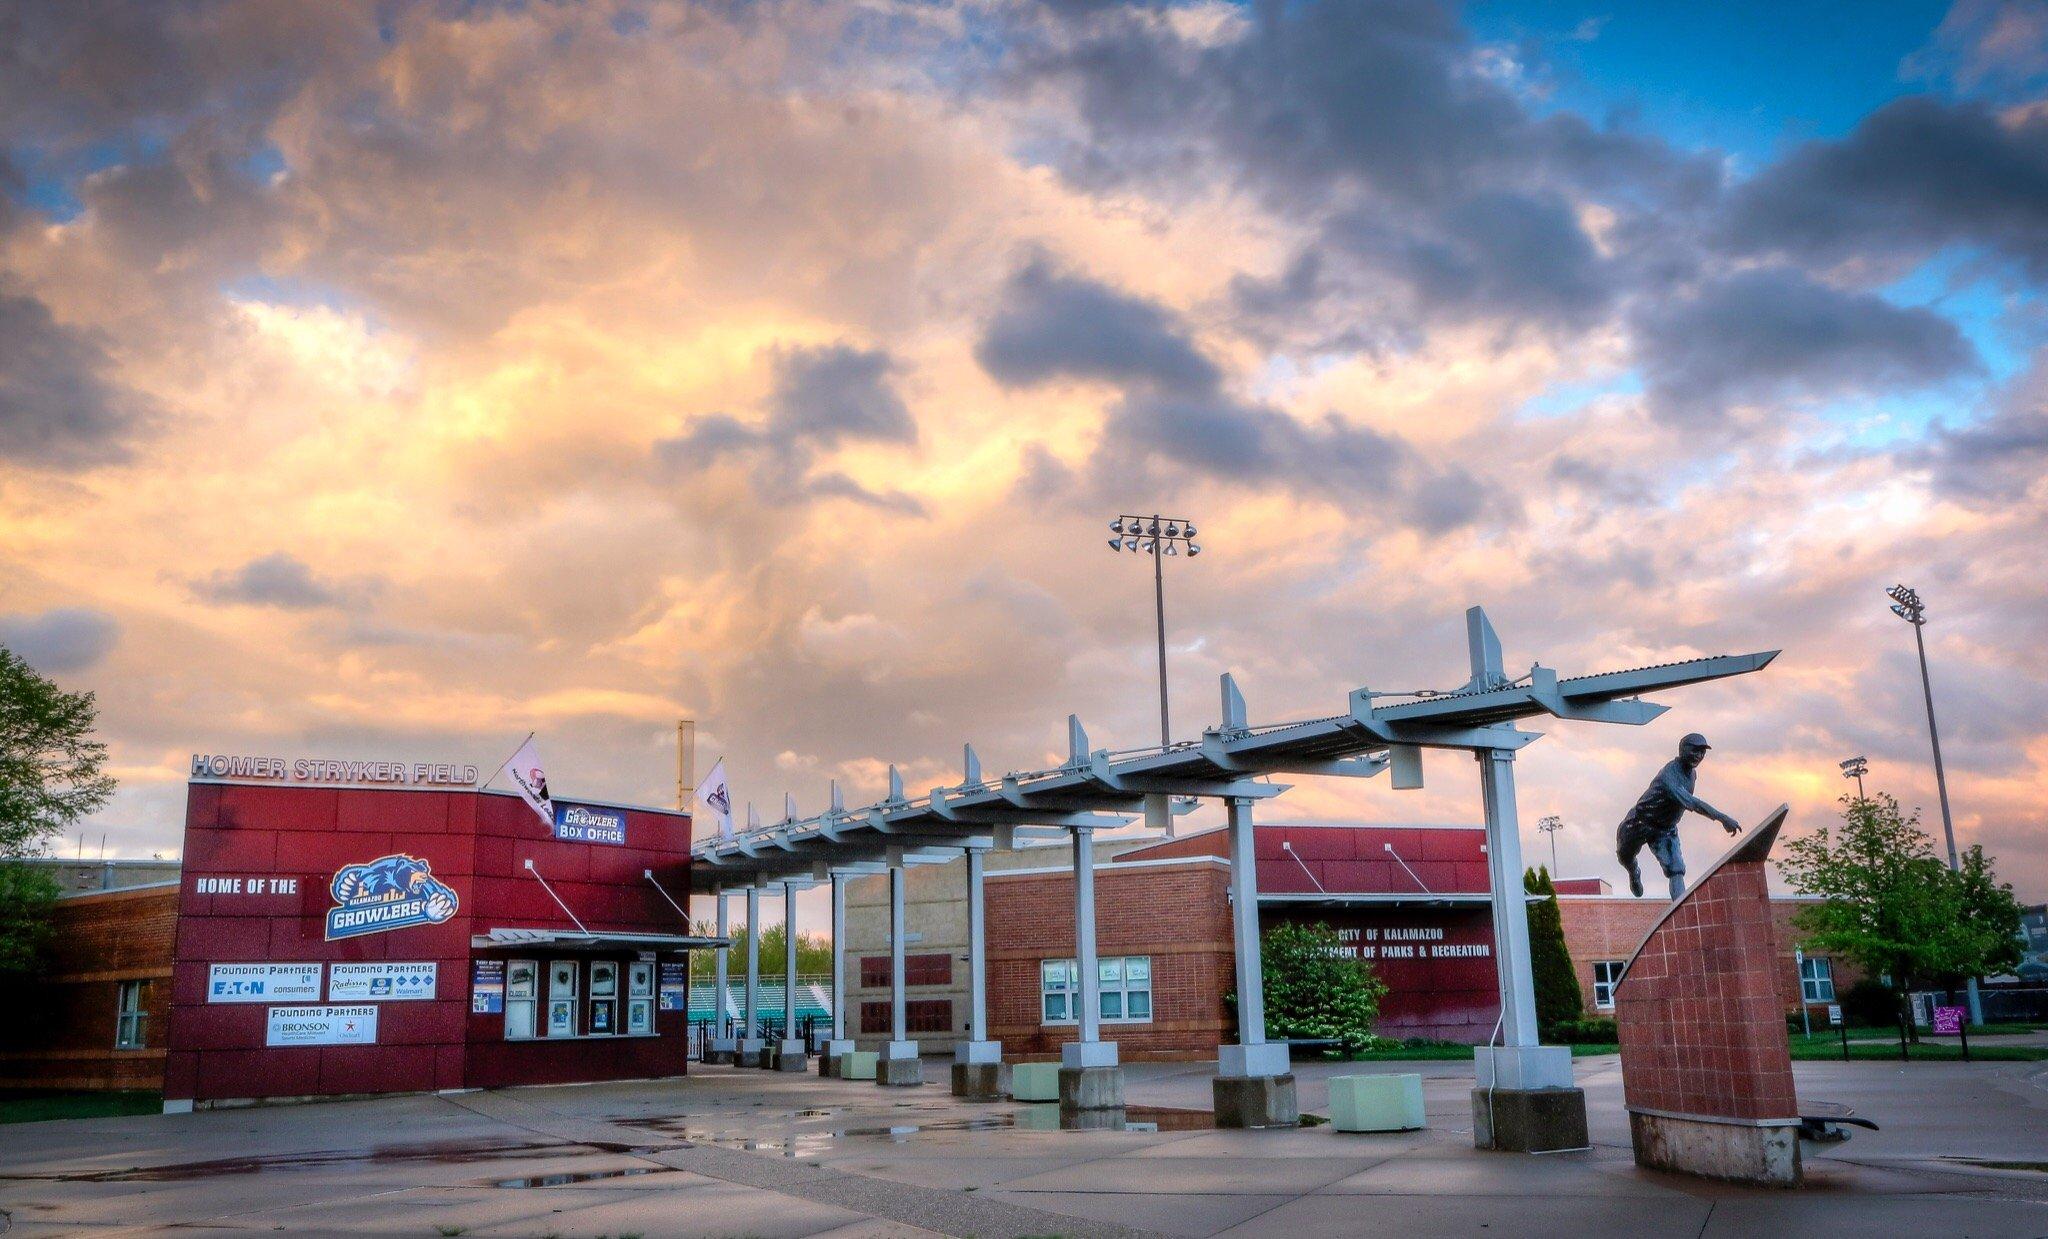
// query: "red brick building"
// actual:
[[1411, 900], [95, 1018]]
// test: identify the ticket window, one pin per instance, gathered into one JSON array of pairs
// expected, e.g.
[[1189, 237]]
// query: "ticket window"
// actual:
[[604, 997], [640, 998], [562, 997], [522, 995]]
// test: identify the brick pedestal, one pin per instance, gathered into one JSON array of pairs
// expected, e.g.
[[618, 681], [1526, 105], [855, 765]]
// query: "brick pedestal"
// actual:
[[1706, 1067]]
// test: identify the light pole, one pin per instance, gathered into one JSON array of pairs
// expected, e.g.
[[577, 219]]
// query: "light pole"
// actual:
[[1550, 826], [1855, 768], [1157, 536], [1907, 606]]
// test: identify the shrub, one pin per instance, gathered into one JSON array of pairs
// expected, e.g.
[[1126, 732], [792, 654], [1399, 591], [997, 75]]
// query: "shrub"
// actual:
[[1589, 1030], [1317, 990], [1871, 1002]]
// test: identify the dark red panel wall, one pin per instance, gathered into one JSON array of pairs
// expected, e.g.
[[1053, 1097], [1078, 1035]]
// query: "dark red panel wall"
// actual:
[[476, 843]]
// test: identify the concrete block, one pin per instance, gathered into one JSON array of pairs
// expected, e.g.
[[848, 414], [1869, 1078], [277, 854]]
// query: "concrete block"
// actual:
[[1522, 1067], [790, 1056], [1266, 1059], [858, 1064], [1035, 1082], [1763, 1154], [830, 1057], [977, 1051], [724, 1050], [978, 1081], [899, 1072], [1376, 1103], [752, 1050], [1091, 1088], [1256, 1101], [1537, 1120], [1078, 1054]]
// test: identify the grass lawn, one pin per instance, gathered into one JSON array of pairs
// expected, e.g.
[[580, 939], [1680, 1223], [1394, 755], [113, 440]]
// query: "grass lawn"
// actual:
[[1932, 1050], [41, 1107], [1449, 1053]]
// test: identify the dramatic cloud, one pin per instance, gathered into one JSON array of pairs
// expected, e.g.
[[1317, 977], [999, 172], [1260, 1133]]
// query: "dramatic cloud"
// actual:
[[1996, 459], [1058, 326], [1761, 335], [274, 580], [58, 406], [822, 397], [1915, 176], [60, 640]]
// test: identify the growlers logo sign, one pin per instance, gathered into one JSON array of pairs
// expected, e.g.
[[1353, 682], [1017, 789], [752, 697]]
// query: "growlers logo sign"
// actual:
[[390, 892]]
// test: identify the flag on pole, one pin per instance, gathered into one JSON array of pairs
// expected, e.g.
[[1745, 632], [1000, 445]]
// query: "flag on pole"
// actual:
[[524, 769], [714, 793]]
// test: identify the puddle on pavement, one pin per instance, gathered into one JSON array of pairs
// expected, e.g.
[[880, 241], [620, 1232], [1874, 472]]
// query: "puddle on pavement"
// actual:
[[563, 1180], [1045, 1117], [441, 1154]]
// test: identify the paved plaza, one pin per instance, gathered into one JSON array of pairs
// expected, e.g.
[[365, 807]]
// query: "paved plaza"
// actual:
[[727, 1152]]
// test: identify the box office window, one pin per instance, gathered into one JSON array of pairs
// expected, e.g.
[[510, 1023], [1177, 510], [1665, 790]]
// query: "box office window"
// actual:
[[1605, 973], [604, 997], [131, 1015], [522, 993], [564, 991], [1126, 987], [640, 997]]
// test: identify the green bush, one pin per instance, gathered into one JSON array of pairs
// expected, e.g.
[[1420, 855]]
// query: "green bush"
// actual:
[[1558, 1000], [1589, 1030], [1317, 990]]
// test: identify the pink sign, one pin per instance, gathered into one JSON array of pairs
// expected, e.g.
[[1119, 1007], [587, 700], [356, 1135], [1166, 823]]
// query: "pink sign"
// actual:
[[1949, 1020]]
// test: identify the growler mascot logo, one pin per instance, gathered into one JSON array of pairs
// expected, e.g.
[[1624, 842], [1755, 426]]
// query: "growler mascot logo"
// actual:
[[390, 892]]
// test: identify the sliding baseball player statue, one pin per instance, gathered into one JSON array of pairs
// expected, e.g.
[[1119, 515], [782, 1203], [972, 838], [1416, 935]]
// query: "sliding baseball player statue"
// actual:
[[1654, 820]]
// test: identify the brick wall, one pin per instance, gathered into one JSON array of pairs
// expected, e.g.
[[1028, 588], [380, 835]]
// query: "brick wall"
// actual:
[[63, 1036], [1177, 915], [1610, 927]]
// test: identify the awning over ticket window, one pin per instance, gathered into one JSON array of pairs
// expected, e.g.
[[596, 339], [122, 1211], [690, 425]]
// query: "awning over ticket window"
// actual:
[[576, 940]]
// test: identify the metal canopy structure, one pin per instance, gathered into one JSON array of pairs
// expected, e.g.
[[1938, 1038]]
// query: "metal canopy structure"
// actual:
[[1101, 789], [1235, 761]]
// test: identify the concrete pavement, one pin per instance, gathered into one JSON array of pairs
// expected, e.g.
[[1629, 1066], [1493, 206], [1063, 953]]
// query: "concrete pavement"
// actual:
[[726, 1151]]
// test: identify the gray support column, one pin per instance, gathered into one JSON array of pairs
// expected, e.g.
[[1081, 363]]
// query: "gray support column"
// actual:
[[1525, 1100], [899, 1063], [1254, 1084], [752, 1048], [977, 1061], [723, 1044], [842, 1040], [792, 1053], [1090, 1078]]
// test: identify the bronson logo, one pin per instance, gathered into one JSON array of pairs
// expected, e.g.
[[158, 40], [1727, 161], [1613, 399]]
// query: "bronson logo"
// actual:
[[390, 892]]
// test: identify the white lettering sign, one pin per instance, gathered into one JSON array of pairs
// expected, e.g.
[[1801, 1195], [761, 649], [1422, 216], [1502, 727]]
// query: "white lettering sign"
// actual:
[[245, 886], [320, 770], [322, 1026], [263, 983], [380, 982]]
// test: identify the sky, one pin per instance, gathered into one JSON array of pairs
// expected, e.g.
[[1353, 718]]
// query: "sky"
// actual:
[[391, 380]]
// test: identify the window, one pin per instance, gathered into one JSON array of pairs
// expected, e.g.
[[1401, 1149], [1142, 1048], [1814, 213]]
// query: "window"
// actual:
[[920, 1015], [928, 968], [131, 1016], [640, 998], [562, 991], [1126, 985], [1816, 979], [522, 988], [604, 997], [1605, 973]]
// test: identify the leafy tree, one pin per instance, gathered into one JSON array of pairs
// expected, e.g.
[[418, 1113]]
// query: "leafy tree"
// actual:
[[1892, 906], [49, 763], [1558, 998], [1316, 989], [49, 778], [813, 953]]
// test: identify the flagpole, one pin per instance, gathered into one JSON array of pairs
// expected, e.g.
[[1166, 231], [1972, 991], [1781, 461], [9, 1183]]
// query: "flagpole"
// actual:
[[501, 765]]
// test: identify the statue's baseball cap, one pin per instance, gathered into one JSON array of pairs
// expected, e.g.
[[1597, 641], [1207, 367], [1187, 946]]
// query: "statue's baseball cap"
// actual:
[[1693, 737]]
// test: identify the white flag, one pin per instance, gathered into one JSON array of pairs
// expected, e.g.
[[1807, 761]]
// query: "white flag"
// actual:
[[524, 769], [718, 796]]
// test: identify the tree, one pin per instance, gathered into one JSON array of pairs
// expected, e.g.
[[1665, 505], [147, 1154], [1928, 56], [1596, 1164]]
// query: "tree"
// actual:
[[1316, 989], [49, 778], [49, 763], [813, 953], [1889, 904], [1558, 998]]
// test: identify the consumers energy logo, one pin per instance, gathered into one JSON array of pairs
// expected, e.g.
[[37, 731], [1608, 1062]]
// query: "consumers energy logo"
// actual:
[[390, 892]]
